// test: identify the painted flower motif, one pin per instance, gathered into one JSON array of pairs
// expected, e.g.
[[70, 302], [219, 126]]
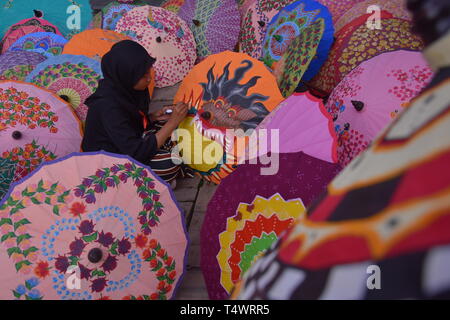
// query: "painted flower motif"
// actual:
[[87, 182], [19, 110], [86, 227], [42, 269], [105, 239], [119, 174], [77, 247], [124, 246], [141, 241], [21, 289], [98, 285], [85, 273], [77, 209], [28, 157], [31, 283], [110, 263], [62, 264]]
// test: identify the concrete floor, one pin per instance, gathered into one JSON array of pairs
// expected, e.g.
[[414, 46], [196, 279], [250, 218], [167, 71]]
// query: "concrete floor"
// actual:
[[194, 199]]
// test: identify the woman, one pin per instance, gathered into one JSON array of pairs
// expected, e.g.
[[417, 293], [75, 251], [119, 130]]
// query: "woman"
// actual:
[[117, 119]]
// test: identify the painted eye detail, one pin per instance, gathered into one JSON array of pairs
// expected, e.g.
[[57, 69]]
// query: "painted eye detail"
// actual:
[[219, 104], [231, 113]]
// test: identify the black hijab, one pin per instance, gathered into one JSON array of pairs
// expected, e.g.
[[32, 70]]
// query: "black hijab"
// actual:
[[122, 67]]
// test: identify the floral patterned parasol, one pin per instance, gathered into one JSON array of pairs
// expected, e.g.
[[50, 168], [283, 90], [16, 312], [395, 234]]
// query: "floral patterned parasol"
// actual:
[[372, 95], [25, 27], [356, 43], [166, 37], [79, 237], [35, 126], [18, 65], [47, 43], [72, 77]]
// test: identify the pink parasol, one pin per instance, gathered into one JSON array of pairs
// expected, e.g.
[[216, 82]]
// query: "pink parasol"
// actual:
[[303, 124], [35, 126], [25, 27], [339, 7], [243, 5], [166, 38], [372, 95], [356, 43], [79, 236]]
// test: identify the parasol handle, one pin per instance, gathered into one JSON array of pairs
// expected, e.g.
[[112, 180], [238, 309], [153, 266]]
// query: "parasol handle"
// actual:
[[65, 98], [261, 23], [358, 105], [196, 22], [38, 13], [95, 255], [16, 135], [159, 40]]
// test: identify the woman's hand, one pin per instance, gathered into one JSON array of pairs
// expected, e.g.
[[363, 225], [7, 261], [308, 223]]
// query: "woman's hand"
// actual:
[[179, 112], [161, 115]]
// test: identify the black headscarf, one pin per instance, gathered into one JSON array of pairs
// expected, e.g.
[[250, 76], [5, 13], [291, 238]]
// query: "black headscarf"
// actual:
[[122, 67]]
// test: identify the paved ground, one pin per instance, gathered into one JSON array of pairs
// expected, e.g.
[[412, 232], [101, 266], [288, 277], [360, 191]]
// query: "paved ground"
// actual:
[[193, 197]]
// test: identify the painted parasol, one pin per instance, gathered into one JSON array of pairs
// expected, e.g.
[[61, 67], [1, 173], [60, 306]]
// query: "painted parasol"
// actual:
[[372, 95], [93, 43], [339, 7], [78, 237], [302, 123], [227, 92], [356, 43], [113, 12], [254, 24], [70, 16], [96, 22], [7, 175], [243, 5], [288, 24], [172, 5], [166, 37], [25, 27], [215, 24], [389, 210], [295, 61], [249, 211], [35, 126], [18, 65], [395, 7], [72, 77], [46, 43]]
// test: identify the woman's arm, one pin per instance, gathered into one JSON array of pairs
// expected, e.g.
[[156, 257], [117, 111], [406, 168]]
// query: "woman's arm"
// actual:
[[179, 113], [126, 138]]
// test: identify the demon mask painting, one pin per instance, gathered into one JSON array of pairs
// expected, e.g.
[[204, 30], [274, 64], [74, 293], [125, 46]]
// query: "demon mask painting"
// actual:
[[227, 104], [229, 94]]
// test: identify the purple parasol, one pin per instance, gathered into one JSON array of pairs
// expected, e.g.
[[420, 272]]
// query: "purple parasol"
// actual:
[[232, 238], [215, 24], [18, 64]]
